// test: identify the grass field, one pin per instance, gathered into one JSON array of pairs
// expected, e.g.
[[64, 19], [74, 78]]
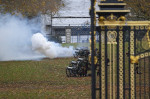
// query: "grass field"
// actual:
[[45, 79]]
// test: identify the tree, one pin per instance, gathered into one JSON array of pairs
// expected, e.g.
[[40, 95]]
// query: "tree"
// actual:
[[140, 9], [30, 8]]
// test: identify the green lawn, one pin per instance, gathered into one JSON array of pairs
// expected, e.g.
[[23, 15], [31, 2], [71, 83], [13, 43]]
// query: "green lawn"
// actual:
[[75, 45], [45, 79]]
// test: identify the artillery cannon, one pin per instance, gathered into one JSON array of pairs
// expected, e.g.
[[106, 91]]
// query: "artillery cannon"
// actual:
[[81, 66], [77, 68], [81, 52], [83, 63]]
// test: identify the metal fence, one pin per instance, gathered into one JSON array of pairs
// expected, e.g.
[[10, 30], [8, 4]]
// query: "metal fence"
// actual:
[[79, 34], [124, 63]]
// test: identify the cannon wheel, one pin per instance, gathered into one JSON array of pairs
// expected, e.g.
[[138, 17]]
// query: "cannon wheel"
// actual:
[[82, 71], [68, 72]]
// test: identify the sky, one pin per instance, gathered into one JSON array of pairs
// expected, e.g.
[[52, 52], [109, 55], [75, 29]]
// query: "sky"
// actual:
[[74, 8]]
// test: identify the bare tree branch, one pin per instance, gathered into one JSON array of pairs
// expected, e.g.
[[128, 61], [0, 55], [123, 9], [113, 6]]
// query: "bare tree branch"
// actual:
[[140, 9], [30, 7]]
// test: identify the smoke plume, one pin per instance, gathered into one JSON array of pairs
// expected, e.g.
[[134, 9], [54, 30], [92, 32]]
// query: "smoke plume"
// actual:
[[15, 40], [50, 49]]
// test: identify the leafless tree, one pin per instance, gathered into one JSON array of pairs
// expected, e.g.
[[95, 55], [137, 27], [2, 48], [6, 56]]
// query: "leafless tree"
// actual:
[[140, 9], [30, 7]]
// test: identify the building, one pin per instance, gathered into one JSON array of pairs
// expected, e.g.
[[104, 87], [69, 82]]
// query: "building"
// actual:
[[74, 16]]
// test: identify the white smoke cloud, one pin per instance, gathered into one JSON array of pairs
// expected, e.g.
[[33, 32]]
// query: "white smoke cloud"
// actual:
[[50, 49], [15, 38]]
